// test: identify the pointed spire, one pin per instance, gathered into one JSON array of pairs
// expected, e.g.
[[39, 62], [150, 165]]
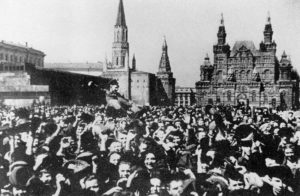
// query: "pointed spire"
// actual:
[[222, 20], [121, 15], [284, 54], [164, 65], [133, 62], [268, 18], [164, 46], [221, 32], [206, 57], [206, 60]]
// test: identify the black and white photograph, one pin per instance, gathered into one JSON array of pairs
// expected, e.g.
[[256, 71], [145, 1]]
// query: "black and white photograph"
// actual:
[[149, 98]]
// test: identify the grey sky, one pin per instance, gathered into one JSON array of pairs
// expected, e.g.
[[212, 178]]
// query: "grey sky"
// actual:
[[82, 30]]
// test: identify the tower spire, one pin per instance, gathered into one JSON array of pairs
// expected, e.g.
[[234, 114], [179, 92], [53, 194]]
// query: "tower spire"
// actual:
[[222, 32], [268, 32], [164, 64], [120, 57], [222, 20], [133, 63], [268, 18], [164, 46], [121, 15]]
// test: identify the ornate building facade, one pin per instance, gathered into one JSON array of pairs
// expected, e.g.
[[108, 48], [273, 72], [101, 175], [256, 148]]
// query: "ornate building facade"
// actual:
[[139, 86], [246, 74]]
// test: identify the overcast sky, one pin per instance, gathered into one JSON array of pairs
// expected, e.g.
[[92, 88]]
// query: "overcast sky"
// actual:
[[82, 30]]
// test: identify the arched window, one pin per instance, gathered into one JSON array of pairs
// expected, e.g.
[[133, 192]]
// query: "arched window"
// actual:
[[267, 74], [122, 60], [237, 75], [229, 95], [219, 75], [243, 75], [248, 75], [253, 96], [265, 98]]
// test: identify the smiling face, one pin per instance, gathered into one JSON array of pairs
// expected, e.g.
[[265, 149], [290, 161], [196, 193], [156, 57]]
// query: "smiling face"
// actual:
[[150, 161]]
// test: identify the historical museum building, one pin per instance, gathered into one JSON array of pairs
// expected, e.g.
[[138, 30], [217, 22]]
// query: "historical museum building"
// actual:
[[246, 74], [141, 87]]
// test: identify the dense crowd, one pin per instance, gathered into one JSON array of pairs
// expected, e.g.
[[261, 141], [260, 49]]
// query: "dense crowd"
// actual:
[[153, 151]]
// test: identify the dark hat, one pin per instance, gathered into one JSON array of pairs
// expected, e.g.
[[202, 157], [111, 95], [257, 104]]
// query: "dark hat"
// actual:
[[242, 132], [207, 108], [113, 82], [281, 172], [20, 173], [285, 132]]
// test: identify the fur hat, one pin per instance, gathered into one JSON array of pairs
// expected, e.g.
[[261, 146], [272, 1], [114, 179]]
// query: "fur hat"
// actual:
[[20, 173]]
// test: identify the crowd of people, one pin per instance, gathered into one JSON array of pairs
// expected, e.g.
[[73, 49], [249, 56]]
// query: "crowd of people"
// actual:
[[153, 151]]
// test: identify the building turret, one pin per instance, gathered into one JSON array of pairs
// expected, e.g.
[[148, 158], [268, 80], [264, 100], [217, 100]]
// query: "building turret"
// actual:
[[206, 69], [268, 44], [165, 76], [285, 67], [164, 64], [222, 32], [133, 66], [268, 32], [221, 47]]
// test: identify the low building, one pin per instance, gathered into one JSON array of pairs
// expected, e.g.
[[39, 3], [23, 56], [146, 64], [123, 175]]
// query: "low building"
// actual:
[[88, 68], [15, 84], [14, 56], [185, 96]]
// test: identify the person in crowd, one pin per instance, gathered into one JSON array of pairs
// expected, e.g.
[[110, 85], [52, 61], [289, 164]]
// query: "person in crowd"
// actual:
[[157, 151]]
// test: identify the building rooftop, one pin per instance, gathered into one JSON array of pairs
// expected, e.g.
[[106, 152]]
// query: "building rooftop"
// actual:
[[239, 44], [75, 66], [20, 46]]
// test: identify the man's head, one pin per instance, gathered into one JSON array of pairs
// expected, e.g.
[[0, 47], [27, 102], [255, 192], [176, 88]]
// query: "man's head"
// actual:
[[122, 137], [45, 177], [175, 187], [124, 169], [113, 86], [236, 183], [114, 158], [289, 152], [280, 176], [91, 184], [115, 147], [155, 186]]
